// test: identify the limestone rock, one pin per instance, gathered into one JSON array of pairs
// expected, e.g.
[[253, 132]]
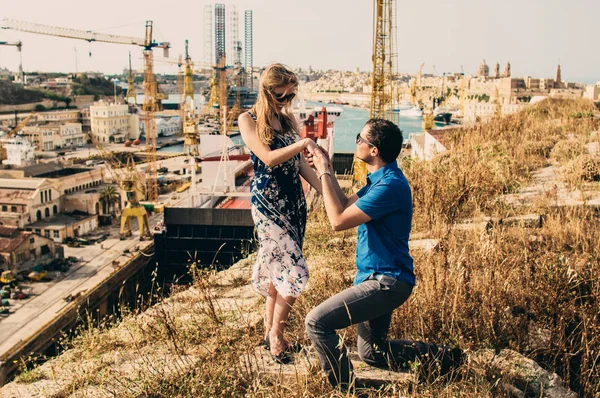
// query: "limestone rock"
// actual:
[[426, 245], [520, 376]]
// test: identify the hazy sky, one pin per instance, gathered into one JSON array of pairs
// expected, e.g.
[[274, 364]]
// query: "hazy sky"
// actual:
[[534, 35]]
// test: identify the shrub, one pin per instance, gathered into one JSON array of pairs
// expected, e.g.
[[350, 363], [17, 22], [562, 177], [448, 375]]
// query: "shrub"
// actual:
[[565, 150], [585, 168]]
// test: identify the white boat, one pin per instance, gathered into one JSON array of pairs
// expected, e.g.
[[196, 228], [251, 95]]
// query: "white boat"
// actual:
[[401, 106], [412, 112]]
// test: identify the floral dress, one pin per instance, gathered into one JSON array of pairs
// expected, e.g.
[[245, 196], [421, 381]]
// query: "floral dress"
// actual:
[[279, 213]]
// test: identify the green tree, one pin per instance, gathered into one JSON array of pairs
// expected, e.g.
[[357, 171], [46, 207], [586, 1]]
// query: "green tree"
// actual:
[[109, 196]]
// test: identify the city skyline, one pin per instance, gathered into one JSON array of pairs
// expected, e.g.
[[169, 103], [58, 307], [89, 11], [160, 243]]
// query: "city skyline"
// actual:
[[534, 36]]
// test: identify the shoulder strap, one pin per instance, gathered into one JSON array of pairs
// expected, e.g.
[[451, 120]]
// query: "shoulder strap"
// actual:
[[252, 115]]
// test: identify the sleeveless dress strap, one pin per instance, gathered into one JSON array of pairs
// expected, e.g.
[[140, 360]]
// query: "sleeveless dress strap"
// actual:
[[252, 115]]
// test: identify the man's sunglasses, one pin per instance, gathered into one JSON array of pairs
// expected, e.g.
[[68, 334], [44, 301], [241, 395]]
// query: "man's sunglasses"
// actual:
[[284, 98], [359, 139]]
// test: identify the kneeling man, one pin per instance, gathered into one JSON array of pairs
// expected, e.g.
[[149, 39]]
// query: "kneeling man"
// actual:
[[382, 210]]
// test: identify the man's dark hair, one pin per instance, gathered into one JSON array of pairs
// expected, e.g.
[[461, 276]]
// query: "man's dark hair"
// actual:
[[387, 137]]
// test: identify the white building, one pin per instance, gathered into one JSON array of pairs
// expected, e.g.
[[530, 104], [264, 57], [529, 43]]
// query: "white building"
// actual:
[[484, 111], [167, 127], [592, 92], [113, 122], [19, 151], [426, 145], [53, 136], [23, 201], [62, 116], [71, 134]]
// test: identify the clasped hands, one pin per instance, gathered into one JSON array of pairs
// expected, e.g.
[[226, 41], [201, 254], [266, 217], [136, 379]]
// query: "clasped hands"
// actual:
[[316, 156]]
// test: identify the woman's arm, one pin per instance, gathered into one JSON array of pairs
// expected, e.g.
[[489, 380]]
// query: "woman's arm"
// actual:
[[261, 150], [309, 174]]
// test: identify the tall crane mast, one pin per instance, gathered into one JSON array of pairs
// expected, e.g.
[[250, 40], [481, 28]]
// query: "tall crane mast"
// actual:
[[188, 77], [384, 70], [19, 45], [131, 97], [151, 96]]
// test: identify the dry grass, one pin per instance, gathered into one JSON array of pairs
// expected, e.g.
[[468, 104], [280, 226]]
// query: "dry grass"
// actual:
[[536, 291]]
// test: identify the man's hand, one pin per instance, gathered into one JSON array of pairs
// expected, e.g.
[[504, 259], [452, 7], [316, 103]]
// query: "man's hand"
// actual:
[[310, 156], [320, 160]]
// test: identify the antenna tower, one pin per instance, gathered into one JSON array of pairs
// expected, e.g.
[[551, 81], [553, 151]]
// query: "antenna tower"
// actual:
[[248, 56]]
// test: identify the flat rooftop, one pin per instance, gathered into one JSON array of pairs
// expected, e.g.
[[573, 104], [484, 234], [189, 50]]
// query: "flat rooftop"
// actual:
[[59, 221], [51, 170]]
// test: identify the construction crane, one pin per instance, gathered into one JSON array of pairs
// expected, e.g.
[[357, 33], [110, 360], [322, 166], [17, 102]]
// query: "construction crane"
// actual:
[[415, 84], [384, 64], [189, 123], [186, 91], [129, 180], [235, 111], [18, 127], [19, 45], [131, 97], [152, 97], [188, 76]]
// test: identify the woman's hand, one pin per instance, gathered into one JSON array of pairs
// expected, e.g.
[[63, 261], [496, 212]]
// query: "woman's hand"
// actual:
[[310, 145]]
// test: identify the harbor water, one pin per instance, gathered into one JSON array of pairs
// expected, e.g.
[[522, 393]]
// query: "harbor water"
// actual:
[[346, 127]]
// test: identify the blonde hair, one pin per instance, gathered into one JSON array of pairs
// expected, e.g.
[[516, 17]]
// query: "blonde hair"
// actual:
[[265, 108]]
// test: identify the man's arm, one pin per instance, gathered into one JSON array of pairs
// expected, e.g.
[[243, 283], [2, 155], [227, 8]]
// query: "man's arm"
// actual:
[[340, 217], [341, 210], [339, 192]]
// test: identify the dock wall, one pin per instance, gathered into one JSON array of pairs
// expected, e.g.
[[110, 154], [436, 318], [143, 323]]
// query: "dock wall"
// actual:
[[70, 315]]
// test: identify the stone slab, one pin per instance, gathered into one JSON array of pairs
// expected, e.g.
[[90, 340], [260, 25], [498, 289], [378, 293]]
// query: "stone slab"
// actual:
[[306, 363]]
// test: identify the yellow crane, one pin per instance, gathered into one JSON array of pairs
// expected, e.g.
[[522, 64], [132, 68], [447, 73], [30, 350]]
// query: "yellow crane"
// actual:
[[186, 90], [188, 76], [235, 111], [382, 85], [152, 97], [14, 131], [131, 97], [415, 84], [129, 180]]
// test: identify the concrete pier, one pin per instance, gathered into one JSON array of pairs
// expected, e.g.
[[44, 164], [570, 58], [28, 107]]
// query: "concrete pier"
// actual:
[[38, 324]]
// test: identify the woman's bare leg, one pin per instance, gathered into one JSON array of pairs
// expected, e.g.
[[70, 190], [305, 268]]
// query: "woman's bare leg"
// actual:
[[270, 309], [283, 305]]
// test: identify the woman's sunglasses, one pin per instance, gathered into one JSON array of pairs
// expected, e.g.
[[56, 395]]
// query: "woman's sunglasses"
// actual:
[[284, 98]]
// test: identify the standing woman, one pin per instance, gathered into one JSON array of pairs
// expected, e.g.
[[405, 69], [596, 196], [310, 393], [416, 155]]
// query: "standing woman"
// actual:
[[278, 205]]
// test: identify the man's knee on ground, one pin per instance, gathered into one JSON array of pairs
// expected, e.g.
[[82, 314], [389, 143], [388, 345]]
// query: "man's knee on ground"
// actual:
[[372, 356]]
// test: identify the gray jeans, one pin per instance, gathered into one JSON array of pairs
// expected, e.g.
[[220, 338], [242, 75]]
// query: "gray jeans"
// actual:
[[370, 305]]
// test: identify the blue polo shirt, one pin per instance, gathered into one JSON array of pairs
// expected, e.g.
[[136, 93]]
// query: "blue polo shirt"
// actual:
[[382, 245]]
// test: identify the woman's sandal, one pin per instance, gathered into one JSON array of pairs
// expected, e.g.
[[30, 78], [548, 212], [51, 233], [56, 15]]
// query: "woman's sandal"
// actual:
[[295, 347], [282, 358]]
